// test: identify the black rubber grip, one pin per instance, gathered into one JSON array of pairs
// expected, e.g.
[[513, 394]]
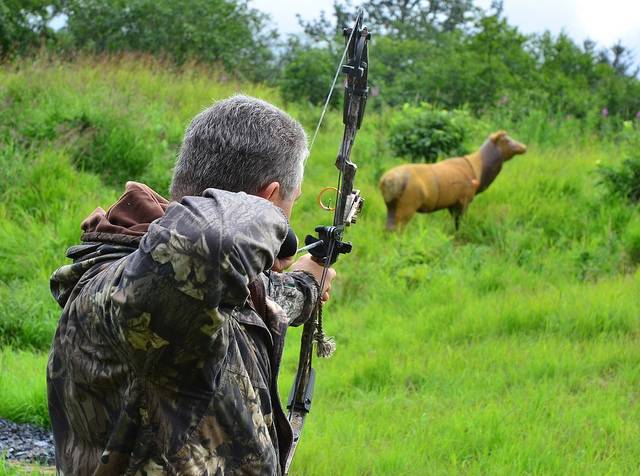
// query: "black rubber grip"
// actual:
[[289, 245]]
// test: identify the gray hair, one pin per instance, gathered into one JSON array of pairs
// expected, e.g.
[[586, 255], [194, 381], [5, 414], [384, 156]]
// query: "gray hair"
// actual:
[[240, 144]]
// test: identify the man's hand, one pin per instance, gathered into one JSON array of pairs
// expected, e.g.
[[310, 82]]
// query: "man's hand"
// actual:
[[280, 264], [305, 263]]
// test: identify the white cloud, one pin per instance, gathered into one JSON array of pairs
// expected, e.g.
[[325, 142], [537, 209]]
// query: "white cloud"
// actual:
[[604, 23], [284, 12]]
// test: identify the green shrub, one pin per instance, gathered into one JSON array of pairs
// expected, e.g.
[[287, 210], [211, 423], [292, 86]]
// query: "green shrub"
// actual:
[[623, 181], [631, 239], [424, 134]]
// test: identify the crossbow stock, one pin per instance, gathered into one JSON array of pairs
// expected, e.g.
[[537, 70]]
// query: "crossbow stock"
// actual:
[[328, 245]]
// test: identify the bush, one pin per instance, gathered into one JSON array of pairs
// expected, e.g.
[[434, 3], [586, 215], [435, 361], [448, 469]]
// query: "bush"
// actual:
[[424, 134], [631, 240], [623, 181], [24, 25]]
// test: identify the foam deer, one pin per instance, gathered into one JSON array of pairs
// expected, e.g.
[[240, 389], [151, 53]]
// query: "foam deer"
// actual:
[[451, 183]]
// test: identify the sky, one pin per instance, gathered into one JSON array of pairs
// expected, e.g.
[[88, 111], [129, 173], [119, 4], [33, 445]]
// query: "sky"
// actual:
[[605, 22]]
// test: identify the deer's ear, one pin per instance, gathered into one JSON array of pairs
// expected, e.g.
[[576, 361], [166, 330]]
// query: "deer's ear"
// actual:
[[496, 136]]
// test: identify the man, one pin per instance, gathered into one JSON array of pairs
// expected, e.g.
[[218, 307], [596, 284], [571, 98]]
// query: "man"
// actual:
[[164, 362]]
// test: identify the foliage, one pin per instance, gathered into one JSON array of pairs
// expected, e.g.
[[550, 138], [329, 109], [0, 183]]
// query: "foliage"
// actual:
[[399, 20], [451, 53], [632, 240], [108, 146], [454, 54], [425, 134], [228, 32], [105, 143], [225, 32], [23, 24], [622, 181], [421, 17], [307, 76]]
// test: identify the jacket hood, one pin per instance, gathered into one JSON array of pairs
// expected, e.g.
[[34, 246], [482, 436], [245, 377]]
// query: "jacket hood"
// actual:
[[108, 236], [128, 219]]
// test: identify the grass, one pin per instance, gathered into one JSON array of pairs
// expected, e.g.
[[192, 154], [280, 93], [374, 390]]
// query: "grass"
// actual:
[[510, 347], [13, 468], [23, 388], [23, 398]]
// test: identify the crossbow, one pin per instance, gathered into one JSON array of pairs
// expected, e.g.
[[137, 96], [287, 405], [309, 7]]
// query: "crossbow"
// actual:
[[328, 244]]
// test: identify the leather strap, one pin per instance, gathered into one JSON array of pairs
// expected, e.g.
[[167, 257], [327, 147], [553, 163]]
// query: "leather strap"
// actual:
[[258, 297]]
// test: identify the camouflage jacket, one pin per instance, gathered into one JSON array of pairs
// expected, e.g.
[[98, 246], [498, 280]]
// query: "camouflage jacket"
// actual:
[[159, 364]]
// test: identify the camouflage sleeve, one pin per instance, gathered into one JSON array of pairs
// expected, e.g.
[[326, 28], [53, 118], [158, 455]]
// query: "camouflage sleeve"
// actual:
[[192, 268], [296, 292], [213, 246]]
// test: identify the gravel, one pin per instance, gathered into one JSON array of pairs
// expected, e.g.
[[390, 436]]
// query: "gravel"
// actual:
[[24, 442]]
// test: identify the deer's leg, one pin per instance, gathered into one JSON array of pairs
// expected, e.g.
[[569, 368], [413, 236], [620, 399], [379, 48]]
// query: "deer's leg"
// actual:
[[456, 212], [391, 216], [404, 214]]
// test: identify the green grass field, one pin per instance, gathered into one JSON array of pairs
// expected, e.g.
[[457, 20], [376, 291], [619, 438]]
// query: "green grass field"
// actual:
[[510, 347]]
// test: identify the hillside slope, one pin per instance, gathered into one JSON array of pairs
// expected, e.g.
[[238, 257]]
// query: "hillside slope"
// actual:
[[510, 347]]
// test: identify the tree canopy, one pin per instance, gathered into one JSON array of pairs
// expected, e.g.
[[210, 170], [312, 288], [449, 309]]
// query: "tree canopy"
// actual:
[[450, 53]]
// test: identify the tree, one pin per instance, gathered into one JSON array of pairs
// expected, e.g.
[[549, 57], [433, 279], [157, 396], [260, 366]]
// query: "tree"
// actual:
[[216, 31], [451, 53], [399, 19], [307, 75], [323, 31], [24, 24], [622, 61]]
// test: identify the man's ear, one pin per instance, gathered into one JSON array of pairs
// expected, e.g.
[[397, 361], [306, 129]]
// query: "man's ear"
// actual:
[[496, 136], [270, 191]]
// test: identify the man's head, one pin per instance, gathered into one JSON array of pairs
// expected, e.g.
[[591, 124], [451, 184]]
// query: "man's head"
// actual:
[[242, 144]]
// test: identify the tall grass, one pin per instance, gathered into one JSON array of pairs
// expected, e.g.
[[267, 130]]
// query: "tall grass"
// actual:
[[13, 468], [23, 386], [509, 347]]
